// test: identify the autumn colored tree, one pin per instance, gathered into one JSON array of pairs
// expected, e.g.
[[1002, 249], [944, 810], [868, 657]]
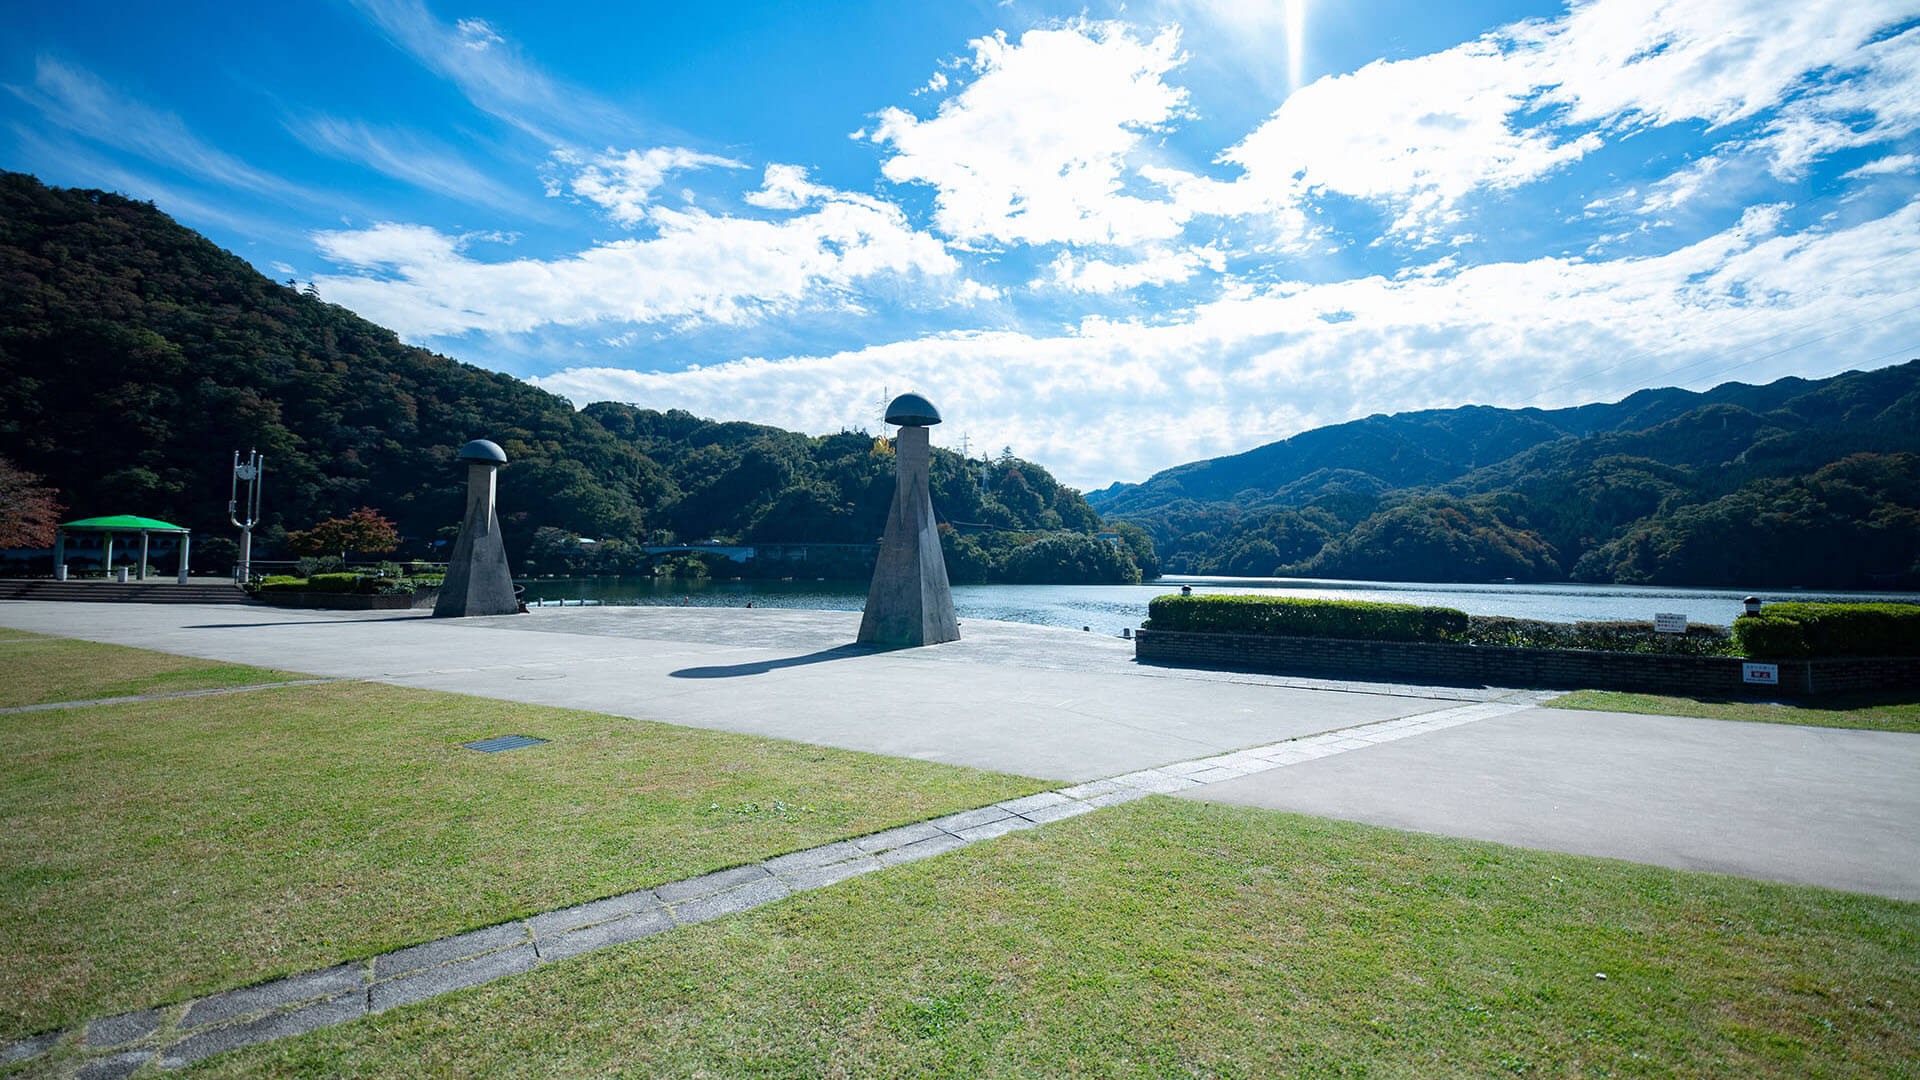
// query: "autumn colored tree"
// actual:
[[28, 510], [363, 530]]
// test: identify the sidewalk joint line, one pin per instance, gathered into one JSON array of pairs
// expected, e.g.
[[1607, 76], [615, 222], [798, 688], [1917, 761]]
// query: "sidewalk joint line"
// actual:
[[206, 692]]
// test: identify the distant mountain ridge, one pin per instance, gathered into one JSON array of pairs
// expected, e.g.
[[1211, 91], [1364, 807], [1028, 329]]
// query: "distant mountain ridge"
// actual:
[[1434, 446], [1622, 491]]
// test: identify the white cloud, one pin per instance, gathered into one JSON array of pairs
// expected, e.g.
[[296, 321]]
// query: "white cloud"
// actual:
[[1416, 135], [408, 157], [970, 291], [55, 158], [1049, 142], [1891, 165], [1120, 399], [1038, 147], [73, 98], [1656, 62], [786, 187], [1420, 135], [1670, 192], [1868, 98], [489, 71], [699, 267], [1156, 268], [623, 182], [477, 34]]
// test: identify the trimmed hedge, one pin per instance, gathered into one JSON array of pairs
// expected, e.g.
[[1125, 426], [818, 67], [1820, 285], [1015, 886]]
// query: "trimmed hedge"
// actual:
[[1280, 616], [338, 583], [1793, 631], [1500, 631], [349, 583]]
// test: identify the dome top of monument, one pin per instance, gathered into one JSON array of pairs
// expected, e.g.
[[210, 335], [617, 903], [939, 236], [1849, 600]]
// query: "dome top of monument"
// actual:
[[483, 450], [912, 410]]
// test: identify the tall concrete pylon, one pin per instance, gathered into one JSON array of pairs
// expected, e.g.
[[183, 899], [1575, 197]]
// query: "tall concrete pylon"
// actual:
[[910, 602], [478, 581]]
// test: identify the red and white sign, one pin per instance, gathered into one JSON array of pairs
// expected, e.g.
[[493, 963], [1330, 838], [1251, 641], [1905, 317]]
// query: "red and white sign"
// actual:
[[1764, 674]]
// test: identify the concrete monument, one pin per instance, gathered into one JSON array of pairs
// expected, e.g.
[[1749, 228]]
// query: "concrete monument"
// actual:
[[478, 581], [910, 602]]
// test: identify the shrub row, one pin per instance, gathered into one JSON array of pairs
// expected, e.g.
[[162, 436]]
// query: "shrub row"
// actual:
[[361, 584], [1792, 631], [1780, 631], [1272, 616], [1500, 631]]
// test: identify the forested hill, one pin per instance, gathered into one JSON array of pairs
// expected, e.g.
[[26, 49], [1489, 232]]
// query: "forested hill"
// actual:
[[1796, 482], [136, 356]]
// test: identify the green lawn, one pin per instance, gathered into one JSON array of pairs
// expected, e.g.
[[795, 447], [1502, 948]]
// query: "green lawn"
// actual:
[[163, 849], [35, 669], [1878, 712], [1168, 938]]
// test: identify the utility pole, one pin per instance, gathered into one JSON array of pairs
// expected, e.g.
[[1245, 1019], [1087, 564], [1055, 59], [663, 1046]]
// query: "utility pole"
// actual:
[[249, 473]]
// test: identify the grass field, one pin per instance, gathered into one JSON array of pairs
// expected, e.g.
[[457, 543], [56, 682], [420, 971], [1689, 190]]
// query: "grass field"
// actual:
[[1176, 938], [1879, 712], [35, 669], [162, 849]]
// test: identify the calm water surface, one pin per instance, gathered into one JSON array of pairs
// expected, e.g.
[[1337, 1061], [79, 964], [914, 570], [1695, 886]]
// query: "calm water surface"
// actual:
[[1109, 608]]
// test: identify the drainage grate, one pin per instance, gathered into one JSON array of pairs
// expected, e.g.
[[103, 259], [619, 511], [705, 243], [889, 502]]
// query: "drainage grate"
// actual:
[[504, 742]]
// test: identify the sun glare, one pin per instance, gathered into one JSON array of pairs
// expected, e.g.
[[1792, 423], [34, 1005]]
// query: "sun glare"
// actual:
[[1296, 12]]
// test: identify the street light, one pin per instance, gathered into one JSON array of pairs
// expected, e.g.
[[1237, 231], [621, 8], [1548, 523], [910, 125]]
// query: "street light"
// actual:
[[249, 473]]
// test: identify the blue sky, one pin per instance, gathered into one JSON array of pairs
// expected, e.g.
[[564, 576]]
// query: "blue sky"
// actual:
[[1114, 237]]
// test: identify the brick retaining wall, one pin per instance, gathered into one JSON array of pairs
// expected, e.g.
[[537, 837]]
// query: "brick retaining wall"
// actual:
[[1554, 669]]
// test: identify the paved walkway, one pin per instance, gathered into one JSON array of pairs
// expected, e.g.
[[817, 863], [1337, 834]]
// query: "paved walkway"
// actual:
[[1816, 806], [1056, 704], [178, 1035]]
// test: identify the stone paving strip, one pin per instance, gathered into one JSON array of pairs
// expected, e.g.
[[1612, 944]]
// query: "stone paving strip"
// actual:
[[178, 1035], [167, 696]]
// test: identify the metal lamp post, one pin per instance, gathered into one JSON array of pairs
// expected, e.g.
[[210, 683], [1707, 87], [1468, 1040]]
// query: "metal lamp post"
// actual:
[[249, 473]]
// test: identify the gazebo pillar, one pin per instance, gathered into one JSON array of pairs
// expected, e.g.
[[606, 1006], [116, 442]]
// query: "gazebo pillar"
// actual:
[[106, 555], [186, 544], [143, 554], [59, 554]]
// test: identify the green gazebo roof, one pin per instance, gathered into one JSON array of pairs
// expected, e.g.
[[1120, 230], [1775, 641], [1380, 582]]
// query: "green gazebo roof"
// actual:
[[126, 522]]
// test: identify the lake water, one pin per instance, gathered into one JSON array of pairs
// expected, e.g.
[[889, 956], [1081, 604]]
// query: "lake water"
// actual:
[[1107, 609]]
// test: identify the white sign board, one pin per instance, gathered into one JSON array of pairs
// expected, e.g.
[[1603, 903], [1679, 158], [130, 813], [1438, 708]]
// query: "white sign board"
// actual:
[[1764, 674], [1669, 623]]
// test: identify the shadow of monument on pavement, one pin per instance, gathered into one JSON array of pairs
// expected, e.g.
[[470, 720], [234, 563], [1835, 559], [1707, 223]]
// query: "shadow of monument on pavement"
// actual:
[[761, 667]]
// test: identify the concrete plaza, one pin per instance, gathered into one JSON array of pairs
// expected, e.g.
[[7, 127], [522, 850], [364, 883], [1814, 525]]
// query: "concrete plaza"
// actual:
[[1820, 806]]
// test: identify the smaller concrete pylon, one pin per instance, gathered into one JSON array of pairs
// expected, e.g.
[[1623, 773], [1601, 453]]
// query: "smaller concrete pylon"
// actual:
[[478, 581], [910, 601]]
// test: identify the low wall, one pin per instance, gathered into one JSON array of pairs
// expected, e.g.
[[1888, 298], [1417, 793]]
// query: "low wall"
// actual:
[[1545, 669], [352, 601]]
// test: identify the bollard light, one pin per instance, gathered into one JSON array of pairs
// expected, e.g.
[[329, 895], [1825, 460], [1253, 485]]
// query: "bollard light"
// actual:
[[1753, 605]]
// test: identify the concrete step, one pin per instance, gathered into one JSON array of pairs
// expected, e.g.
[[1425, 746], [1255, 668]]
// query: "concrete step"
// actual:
[[132, 592]]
